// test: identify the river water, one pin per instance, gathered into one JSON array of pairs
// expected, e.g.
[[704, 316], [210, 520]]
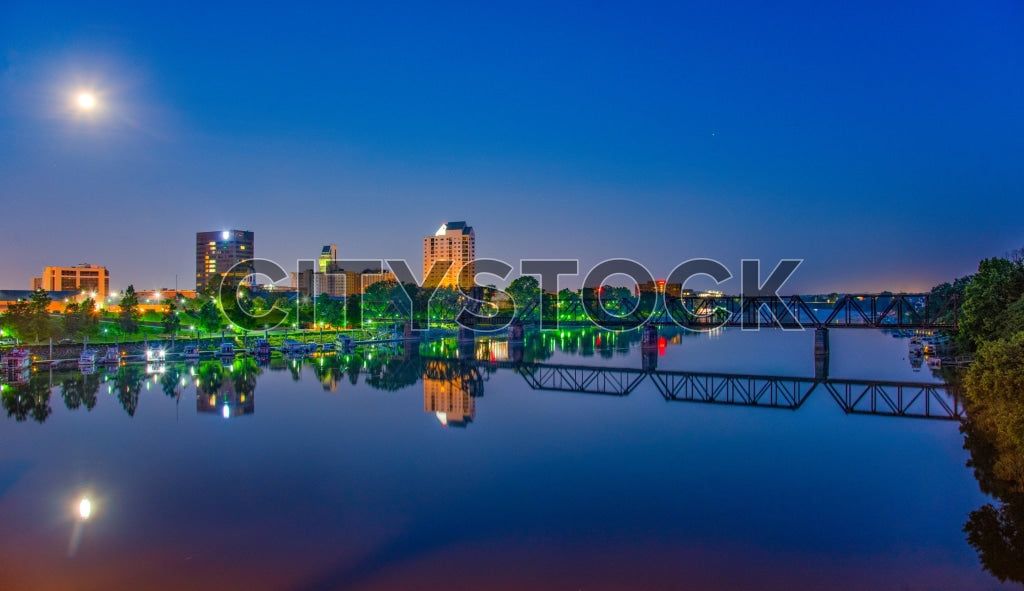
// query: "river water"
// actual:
[[449, 468]]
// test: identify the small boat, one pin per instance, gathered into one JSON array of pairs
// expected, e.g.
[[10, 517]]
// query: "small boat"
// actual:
[[291, 347], [345, 343], [934, 362], [155, 354], [226, 350], [191, 353], [311, 348], [17, 359], [328, 347], [262, 348], [111, 356], [87, 358]]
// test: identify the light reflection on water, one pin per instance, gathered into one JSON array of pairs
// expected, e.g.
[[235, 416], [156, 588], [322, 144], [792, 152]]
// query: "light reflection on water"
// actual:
[[402, 472]]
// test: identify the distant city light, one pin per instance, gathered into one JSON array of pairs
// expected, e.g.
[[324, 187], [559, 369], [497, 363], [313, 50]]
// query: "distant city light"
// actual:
[[225, 234], [226, 411]]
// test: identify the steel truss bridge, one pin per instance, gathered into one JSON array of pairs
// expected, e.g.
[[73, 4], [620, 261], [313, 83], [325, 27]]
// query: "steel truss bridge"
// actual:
[[703, 312], [858, 397]]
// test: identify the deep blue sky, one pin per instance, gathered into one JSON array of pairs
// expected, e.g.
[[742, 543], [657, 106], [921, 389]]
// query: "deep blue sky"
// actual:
[[882, 144]]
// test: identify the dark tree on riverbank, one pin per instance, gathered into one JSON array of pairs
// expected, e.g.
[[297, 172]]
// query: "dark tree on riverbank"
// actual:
[[994, 434], [990, 300], [30, 318], [171, 320], [209, 317], [128, 318]]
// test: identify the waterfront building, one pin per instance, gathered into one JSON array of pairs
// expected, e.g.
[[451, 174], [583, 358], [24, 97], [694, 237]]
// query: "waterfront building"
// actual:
[[662, 287], [93, 279], [218, 252], [454, 242]]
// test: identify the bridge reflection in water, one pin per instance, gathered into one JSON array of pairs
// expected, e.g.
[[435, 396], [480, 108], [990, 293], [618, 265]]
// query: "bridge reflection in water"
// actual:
[[863, 397]]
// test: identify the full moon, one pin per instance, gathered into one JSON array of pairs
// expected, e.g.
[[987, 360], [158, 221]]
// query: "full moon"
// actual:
[[86, 101], [85, 508]]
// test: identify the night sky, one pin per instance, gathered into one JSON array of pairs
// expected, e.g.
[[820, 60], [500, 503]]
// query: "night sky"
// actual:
[[881, 143]]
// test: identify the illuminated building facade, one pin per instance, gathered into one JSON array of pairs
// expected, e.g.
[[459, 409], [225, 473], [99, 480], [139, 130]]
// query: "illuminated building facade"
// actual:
[[83, 277], [217, 252], [660, 286], [328, 256], [454, 242]]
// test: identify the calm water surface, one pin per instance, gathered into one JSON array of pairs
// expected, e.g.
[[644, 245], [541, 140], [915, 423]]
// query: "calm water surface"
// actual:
[[470, 479]]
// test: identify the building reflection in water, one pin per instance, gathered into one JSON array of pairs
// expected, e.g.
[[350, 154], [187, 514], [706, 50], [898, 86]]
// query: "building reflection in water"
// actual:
[[449, 393], [227, 390]]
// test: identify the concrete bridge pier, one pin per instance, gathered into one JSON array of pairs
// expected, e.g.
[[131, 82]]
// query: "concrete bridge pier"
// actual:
[[516, 332], [820, 341], [649, 359], [649, 337], [466, 345], [821, 353], [409, 334], [516, 352]]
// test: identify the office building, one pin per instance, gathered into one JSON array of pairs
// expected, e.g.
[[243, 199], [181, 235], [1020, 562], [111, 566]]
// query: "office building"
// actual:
[[328, 257], [220, 251], [93, 279]]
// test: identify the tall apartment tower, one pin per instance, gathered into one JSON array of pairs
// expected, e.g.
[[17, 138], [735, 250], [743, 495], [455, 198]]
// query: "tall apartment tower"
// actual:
[[454, 242], [217, 252]]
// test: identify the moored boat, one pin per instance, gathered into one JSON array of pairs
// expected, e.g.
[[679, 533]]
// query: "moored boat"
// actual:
[[87, 358], [226, 349], [111, 356], [16, 359], [155, 354]]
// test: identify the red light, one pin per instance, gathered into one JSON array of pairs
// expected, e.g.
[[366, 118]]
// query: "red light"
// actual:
[[662, 343]]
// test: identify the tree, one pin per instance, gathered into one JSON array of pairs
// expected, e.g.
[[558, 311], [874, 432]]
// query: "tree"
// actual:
[[171, 320], [994, 435], [80, 319], [88, 321], [30, 317], [209, 317], [997, 284], [128, 319], [353, 311], [525, 292], [71, 320]]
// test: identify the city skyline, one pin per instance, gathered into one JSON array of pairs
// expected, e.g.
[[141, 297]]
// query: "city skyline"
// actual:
[[873, 157]]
